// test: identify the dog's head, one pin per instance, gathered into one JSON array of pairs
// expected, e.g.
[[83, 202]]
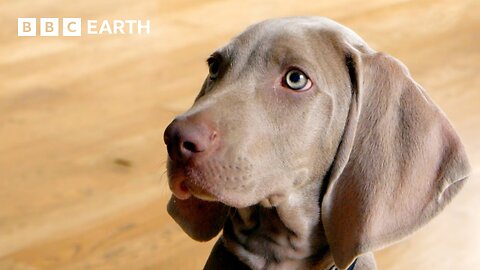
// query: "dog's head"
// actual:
[[296, 100]]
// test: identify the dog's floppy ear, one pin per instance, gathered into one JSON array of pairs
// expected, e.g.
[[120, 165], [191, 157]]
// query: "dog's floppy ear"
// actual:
[[398, 164], [201, 220]]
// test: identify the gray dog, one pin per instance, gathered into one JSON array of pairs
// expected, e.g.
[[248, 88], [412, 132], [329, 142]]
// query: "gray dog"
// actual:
[[310, 150]]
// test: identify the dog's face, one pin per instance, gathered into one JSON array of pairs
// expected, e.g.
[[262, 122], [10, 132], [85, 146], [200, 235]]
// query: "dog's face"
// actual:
[[269, 100], [297, 100]]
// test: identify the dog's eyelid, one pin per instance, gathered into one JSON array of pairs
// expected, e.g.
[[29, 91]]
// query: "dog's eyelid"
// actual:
[[211, 59], [214, 57], [296, 67]]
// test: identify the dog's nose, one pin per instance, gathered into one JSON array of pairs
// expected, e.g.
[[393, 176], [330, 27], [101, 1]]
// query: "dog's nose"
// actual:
[[186, 138]]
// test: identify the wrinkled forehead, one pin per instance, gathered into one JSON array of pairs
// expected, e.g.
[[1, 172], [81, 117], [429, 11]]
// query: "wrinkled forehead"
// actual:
[[288, 40]]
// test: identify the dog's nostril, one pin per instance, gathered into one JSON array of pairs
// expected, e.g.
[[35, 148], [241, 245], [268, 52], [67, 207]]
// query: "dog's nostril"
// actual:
[[190, 147]]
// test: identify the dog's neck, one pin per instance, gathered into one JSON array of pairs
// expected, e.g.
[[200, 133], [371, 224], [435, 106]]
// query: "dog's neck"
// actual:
[[287, 236]]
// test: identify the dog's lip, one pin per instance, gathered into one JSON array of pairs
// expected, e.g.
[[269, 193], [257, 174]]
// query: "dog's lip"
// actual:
[[183, 188], [198, 192], [203, 196]]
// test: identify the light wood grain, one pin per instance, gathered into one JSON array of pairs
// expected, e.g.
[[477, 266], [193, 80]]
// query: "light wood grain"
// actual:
[[82, 182]]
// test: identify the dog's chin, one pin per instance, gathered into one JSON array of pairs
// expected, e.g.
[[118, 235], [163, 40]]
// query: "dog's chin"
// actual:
[[232, 200], [207, 193]]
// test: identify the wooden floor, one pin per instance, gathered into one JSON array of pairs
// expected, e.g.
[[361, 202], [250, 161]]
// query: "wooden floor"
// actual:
[[82, 161]]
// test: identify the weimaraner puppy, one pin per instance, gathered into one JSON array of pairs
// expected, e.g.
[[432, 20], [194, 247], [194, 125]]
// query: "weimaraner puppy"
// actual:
[[310, 150]]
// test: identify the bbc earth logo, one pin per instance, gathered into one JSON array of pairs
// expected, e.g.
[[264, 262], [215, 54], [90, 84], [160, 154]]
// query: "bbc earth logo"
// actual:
[[72, 27]]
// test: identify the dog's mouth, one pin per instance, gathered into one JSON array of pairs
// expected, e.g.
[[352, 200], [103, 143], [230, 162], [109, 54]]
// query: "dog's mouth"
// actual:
[[198, 192], [185, 182], [214, 180]]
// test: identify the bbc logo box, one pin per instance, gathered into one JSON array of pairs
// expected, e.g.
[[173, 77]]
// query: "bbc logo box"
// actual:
[[49, 27]]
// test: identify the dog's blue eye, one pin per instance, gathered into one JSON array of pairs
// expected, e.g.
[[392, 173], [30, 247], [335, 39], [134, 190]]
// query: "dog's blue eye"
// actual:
[[297, 80]]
